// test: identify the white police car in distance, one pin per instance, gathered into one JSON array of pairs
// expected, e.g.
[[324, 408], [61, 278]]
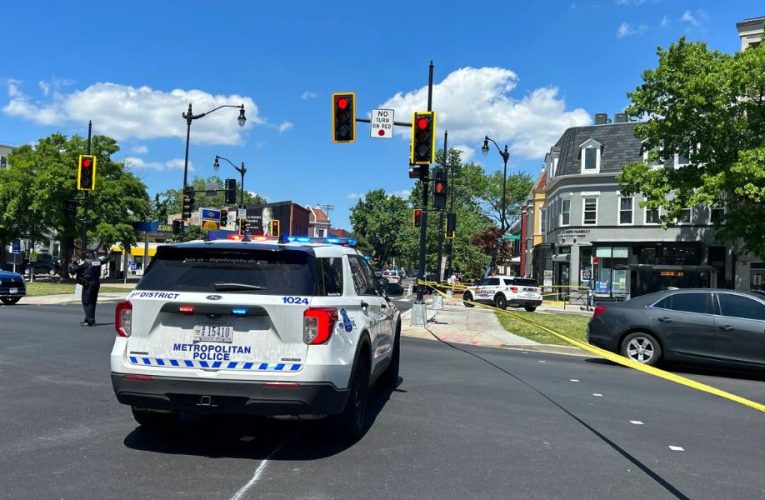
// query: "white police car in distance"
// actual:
[[503, 291], [255, 327]]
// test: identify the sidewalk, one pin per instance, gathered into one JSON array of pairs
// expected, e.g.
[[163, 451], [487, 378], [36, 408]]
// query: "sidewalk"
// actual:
[[474, 326], [68, 298]]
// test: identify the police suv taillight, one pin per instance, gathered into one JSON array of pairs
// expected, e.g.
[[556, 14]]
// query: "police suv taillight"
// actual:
[[123, 318], [318, 324]]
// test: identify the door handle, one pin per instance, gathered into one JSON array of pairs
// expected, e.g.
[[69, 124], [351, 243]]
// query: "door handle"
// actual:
[[665, 320], [364, 305], [726, 328]]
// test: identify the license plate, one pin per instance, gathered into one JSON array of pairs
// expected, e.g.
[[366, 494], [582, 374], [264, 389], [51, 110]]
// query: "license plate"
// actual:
[[213, 333], [528, 295], [13, 290]]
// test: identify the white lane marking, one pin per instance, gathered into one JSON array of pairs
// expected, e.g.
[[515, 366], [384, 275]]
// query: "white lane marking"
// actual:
[[597, 395], [574, 380], [676, 448], [258, 472], [542, 361], [246, 439], [636, 422]]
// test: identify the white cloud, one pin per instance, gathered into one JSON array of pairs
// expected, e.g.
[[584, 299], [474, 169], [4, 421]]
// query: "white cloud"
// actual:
[[467, 152], [140, 164], [664, 22], [626, 30], [308, 95], [630, 2], [355, 196], [126, 112], [44, 86], [139, 150], [284, 126], [404, 193], [474, 102], [689, 18]]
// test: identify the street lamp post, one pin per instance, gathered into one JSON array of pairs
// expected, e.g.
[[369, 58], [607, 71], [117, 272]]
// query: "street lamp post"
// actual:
[[189, 117], [505, 156], [242, 170]]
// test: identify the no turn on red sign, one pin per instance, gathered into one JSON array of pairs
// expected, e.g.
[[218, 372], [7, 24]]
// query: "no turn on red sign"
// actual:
[[381, 123]]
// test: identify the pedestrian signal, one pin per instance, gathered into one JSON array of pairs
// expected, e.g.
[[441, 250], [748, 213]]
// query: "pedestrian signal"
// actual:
[[451, 225], [344, 117], [86, 173]]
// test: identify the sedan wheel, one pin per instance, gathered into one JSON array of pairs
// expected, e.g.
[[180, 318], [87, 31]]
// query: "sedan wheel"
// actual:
[[641, 347]]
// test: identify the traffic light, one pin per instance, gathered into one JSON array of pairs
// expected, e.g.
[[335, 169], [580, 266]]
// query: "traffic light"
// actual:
[[230, 191], [423, 148], [274, 229], [243, 227], [451, 225], [344, 117], [224, 218], [416, 217], [418, 172], [70, 209], [439, 189], [188, 202], [86, 173], [177, 226]]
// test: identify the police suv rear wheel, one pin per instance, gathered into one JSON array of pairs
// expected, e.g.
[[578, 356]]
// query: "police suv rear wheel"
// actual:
[[530, 309], [390, 376], [500, 301], [9, 301], [153, 419], [351, 423], [466, 299]]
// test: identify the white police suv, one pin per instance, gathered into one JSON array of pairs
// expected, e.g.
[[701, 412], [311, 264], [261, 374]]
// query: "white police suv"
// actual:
[[298, 327], [503, 291]]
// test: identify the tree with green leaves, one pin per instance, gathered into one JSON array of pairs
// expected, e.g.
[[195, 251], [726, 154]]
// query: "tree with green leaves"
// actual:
[[709, 107], [41, 178], [380, 219]]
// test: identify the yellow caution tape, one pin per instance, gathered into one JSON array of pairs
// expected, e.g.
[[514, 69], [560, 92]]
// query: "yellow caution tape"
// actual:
[[616, 358]]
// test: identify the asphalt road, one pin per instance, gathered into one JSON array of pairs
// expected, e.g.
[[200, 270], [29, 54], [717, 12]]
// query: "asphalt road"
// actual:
[[473, 423]]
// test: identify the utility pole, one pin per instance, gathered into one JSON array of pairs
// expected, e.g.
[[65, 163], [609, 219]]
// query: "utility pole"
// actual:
[[441, 215], [424, 217], [84, 227]]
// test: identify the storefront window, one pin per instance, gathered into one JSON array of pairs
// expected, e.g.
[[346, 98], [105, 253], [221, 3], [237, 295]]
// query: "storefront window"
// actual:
[[611, 271], [585, 266]]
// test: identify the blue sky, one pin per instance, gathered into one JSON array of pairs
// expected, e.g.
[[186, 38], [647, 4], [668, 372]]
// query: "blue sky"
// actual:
[[521, 72]]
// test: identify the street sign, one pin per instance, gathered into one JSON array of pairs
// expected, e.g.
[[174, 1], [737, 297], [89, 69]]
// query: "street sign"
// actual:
[[210, 225], [381, 124], [209, 219], [511, 237], [241, 213], [16, 248]]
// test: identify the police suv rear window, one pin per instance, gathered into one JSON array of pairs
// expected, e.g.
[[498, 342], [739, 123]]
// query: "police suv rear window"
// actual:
[[523, 282], [252, 271]]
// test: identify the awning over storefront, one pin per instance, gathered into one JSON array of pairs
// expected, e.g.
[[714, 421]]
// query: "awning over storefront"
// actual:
[[135, 251]]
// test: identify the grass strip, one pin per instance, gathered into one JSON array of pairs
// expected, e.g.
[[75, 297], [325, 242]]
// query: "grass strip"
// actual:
[[572, 325], [39, 288]]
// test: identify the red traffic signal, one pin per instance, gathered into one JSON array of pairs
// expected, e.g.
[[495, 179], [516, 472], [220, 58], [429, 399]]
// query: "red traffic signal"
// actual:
[[344, 117], [423, 148], [86, 173], [439, 189], [416, 217]]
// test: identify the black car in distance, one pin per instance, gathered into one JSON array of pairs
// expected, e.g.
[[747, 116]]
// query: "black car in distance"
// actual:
[[692, 325]]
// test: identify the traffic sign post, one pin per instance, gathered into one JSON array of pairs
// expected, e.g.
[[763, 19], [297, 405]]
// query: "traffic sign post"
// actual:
[[511, 237], [209, 219], [381, 124]]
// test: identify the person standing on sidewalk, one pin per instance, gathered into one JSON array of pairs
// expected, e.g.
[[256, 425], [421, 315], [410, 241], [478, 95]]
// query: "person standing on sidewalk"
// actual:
[[88, 274]]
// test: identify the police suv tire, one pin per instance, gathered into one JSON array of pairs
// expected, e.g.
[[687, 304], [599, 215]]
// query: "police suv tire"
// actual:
[[466, 297], [500, 301], [9, 301], [530, 309], [390, 375], [153, 419], [352, 422]]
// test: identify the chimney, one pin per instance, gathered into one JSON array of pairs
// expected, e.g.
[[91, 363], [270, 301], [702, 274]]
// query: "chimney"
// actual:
[[620, 118], [601, 119]]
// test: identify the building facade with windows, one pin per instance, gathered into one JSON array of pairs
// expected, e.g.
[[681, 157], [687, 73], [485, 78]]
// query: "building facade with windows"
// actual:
[[599, 239], [750, 31], [318, 222]]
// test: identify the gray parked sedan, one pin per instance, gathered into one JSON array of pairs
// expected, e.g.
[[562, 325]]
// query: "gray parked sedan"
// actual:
[[702, 325]]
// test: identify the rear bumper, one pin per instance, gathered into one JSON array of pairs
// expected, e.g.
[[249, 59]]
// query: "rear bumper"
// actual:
[[234, 396], [599, 335], [525, 302]]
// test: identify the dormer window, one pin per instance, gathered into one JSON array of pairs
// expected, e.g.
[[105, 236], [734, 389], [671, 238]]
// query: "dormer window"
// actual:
[[589, 153]]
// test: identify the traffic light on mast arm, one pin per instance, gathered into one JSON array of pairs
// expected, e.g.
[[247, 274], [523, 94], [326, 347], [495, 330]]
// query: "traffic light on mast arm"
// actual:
[[416, 217], [423, 149], [439, 189], [344, 117], [86, 173], [451, 225], [230, 191]]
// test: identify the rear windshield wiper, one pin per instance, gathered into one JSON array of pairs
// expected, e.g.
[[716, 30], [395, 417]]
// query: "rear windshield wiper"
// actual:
[[237, 286]]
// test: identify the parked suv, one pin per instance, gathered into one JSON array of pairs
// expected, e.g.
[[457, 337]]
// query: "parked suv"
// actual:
[[259, 327], [503, 291], [45, 264]]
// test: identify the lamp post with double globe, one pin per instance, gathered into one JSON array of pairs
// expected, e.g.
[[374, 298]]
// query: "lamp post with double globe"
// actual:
[[189, 116]]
